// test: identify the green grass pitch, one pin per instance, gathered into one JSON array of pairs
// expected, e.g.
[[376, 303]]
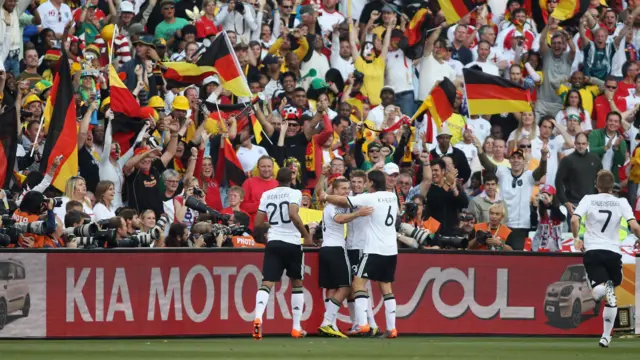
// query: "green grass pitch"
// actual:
[[408, 347]]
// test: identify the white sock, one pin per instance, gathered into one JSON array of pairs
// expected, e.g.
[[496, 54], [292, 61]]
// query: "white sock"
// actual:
[[599, 291], [361, 309], [390, 311], [334, 322], [370, 315], [262, 299], [297, 304], [330, 313], [609, 316], [352, 311]]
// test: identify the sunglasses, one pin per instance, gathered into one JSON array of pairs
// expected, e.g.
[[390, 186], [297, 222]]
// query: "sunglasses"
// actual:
[[287, 6], [523, 146], [465, 217], [612, 87], [374, 151]]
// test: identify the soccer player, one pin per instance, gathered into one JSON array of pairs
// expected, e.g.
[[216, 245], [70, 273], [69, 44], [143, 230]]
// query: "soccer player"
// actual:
[[602, 258], [335, 269], [355, 246], [379, 260], [279, 207]]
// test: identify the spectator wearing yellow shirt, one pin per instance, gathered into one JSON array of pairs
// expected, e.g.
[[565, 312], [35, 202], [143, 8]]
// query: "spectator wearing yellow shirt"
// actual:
[[588, 87], [371, 66]]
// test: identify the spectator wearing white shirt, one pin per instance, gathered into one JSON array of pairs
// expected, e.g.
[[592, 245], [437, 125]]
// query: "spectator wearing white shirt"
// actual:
[[573, 108], [329, 16], [480, 127], [55, 15], [433, 66], [484, 49], [105, 193], [378, 114], [11, 34], [455, 64], [341, 60], [249, 154], [554, 145], [399, 75], [633, 99]]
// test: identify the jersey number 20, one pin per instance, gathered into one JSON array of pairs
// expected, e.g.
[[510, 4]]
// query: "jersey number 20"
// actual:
[[283, 209]]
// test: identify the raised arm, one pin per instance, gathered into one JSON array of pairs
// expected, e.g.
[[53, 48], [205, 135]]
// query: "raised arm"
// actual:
[[84, 124], [431, 40], [387, 38], [352, 42], [541, 170]]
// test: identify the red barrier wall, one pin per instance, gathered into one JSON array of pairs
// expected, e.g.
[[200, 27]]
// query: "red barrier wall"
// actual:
[[169, 293]]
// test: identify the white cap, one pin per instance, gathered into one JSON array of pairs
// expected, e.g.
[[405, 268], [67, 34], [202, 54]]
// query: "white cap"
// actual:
[[211, 79], [126, 6], [391, 168]]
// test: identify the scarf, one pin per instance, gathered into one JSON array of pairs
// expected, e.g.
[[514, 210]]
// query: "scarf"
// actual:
[[314, 157]]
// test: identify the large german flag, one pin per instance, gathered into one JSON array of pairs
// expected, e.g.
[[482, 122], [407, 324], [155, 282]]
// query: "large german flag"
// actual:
[[62, 137], [414, 32], [218, 58], [454, 10], [439, 103], [122, 100], [8, 145], [228, 168], [489, 94], [568, 9]]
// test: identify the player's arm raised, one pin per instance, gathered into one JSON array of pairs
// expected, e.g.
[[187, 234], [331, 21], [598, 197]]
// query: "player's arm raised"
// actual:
[[345, 218], [297, 221]]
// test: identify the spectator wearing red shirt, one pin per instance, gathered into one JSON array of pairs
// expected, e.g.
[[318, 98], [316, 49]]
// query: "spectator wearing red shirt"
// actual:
[[204, 173], [627, 86], [255, 186], [206, 25], [602, 103]]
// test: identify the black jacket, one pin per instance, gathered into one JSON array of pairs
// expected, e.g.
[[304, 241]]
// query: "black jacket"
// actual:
[[459, 161], [576, 176]]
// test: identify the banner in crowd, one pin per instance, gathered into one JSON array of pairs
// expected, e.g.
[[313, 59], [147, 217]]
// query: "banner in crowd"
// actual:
[[169, 293]]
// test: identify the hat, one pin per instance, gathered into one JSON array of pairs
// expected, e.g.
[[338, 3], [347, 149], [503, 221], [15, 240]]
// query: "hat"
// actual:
[[291, 113], [211, 79], [270, 59], [90, 72], [145, 40], [387, 88], [75, 67], [374, 144], [391, 168], [156, 102], [93, 49], [53, 55], [549, 189], [180, 103], [105, 103], [167, 2], [307, 9], [307, 193], [517, 152], [317, 84], [573, 117], [388, 8], [135, 29], [444, 131], [43, 85], [160, 43], [126, 7], [31, 99]]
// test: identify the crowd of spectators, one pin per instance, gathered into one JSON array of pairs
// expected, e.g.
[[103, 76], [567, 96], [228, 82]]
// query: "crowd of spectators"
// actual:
[[333, 91]]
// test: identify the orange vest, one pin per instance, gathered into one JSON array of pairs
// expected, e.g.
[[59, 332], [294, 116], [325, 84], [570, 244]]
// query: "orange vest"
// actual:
[[503, 232], [431, 224], [39, 241], [245, 242]]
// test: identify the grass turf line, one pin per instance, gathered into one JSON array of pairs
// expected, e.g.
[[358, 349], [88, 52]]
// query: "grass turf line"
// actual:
[[322, 348]]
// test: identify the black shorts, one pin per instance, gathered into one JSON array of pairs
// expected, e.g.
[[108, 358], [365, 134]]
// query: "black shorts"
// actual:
[[354, 259], [280, 256], [381, 268], [334, 270], [602, 266]]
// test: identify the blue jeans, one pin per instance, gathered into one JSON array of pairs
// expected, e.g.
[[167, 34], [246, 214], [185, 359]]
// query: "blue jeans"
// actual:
[[405, 101], [12, 64]]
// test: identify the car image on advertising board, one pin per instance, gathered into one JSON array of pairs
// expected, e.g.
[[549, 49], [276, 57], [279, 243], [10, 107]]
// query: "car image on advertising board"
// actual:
[[569, 298]]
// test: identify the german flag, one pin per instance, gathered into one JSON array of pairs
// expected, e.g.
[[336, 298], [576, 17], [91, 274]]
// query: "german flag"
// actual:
[[568, 9], [454, 10], [257, 128], [122, 100], [414, 32], [62, 137], [439, 103], [489, 94], [219, 58], [8, 145], [228, 169]]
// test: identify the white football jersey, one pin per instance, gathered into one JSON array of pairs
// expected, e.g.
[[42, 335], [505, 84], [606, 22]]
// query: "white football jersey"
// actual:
[[355, 229], [275, 204], [379, 231], [332, 232], [602, 214]]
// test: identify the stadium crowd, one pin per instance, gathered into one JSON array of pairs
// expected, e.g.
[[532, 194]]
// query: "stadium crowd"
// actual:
[[337, 90]]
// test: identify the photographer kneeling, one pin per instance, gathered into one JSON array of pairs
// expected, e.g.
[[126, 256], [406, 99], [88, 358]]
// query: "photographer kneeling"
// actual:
[[492, 235]]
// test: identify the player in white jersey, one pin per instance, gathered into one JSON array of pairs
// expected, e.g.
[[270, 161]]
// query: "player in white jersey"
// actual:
[[334, 267], [380, 256], [355, 246], [602, 258], [279, 208]]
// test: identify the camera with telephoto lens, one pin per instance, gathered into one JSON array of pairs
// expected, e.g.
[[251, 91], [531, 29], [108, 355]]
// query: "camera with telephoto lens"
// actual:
[[135, 240], [197, 205], [57, 201], [481, 237], [225, 230], [10, 234], [198, 192], [450, 242], [420, 235], [7, 220], [85, 230], [157, 231]]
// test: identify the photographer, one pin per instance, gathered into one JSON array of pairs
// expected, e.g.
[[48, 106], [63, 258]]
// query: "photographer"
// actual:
[[492, 235], [33, 205], [131, 219], [179, 237], [548, 216], [120, 225]]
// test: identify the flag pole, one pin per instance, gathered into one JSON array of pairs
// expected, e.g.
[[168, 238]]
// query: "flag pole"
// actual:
[[113, 38], [38, 133]]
